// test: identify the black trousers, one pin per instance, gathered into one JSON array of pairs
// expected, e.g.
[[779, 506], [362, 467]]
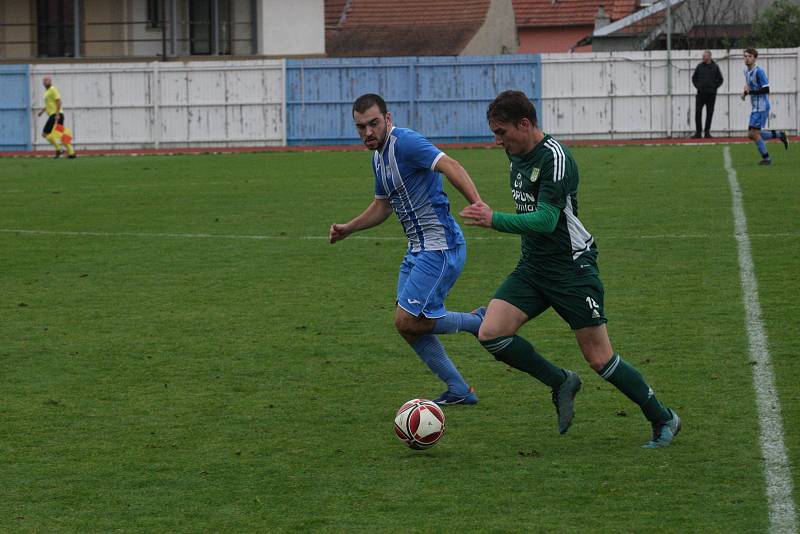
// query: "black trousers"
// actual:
[[55, 118], [707, 100]]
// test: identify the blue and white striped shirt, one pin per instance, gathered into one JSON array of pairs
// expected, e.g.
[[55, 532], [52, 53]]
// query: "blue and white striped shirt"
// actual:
[[757, 79], [404, 174]]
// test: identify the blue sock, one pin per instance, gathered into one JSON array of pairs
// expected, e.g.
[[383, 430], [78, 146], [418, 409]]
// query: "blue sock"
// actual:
[[457, 322], [762, 148], [766, 135], [432, 352]]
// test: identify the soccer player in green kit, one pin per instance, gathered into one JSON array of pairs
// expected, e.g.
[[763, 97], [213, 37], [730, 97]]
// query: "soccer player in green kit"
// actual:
[[558, 268]]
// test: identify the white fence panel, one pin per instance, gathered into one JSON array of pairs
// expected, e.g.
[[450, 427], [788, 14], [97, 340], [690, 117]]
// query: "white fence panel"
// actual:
[[624, 95], [162, 105], [619, 95]]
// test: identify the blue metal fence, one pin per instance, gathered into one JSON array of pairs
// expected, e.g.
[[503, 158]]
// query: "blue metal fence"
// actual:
[[444, 98], [15, 115]]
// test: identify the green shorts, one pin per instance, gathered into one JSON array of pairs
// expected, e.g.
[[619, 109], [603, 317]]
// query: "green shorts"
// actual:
[[577, 297]]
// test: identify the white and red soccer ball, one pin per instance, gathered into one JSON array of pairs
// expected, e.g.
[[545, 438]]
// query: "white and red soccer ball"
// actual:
[[419, 423]]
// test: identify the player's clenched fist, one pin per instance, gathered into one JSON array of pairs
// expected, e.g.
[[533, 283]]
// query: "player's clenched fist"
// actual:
[[338, 232]]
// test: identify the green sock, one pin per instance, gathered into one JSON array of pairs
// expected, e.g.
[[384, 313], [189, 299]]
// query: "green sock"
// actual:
[[629, 381], [519, 354]]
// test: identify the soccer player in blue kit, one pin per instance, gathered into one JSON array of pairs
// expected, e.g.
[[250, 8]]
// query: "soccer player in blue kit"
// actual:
[[757, 87], [407, 171]]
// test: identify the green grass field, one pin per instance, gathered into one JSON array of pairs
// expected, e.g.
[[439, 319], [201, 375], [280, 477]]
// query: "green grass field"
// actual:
[[183, 351]]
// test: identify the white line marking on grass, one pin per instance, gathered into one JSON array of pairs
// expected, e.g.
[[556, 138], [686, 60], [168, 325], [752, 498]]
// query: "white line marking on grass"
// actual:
[[68, 233], [176, 235], [777, 469], [155, 234]]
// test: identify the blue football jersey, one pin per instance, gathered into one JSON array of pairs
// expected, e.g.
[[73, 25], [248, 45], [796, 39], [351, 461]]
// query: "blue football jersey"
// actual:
[[404, 174], [757, 79]]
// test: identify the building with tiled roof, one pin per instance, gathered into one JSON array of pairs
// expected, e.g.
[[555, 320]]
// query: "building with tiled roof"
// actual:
[[559, 25], [419, 28], [703, 24]]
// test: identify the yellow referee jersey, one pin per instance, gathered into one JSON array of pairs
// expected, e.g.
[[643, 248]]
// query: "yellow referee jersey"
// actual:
[[50, 97]]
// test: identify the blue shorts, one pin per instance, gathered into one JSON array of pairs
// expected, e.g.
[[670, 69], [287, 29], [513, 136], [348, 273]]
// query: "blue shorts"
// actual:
[[758, 120], [425, 280]]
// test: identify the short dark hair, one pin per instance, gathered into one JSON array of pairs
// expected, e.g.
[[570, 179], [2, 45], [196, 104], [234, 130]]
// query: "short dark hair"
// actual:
[[752, 51], [511, 106], [364, 102]]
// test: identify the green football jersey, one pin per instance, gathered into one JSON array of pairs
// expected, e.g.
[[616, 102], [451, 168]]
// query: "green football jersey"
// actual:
[[549, 174]]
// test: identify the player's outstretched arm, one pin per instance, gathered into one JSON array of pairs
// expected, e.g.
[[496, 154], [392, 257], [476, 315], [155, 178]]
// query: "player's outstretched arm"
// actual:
[[377, 212], [459, 177], [478, 214], [543, 220]]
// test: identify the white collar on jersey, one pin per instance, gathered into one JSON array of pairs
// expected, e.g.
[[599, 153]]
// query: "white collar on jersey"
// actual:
[[386, 142]]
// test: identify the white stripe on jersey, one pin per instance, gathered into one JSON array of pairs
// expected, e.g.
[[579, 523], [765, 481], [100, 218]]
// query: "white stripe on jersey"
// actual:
[[413, 233], [559, 159], [424, 225], [579, 237], [379, 164], [436, 160]]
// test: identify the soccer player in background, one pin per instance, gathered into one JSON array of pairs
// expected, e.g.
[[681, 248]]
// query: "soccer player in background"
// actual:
[[407, 171], [757, 86], [55, 120], [558, 268]]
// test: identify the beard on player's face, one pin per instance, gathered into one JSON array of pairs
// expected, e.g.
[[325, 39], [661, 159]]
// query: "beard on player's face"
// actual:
[[376, 138], [373, 127]]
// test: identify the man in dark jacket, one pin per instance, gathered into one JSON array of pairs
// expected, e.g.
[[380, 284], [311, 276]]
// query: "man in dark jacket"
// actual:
[[707, 78]]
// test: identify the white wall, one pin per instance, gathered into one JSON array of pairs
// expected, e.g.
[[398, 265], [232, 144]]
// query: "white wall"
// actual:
[[157, 104], [623, 95], [293, 28]]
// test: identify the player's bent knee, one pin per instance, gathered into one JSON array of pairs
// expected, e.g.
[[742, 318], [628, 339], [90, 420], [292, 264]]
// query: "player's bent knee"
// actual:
[[403, 326], [485, 336], [597, 355], [596, 364], [488, 332], [408, 325]]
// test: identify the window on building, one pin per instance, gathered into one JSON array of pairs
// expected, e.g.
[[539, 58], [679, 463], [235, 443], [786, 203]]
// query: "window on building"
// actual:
[[202, 16], [224, 27], [55, 28], [154, 8], [200, 26]]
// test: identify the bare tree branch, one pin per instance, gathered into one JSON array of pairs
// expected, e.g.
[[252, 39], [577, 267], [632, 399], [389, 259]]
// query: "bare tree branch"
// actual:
[[709, 23]]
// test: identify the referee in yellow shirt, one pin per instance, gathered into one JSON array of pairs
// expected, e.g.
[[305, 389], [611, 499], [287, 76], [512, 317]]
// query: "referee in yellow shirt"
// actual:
[[52, 106]]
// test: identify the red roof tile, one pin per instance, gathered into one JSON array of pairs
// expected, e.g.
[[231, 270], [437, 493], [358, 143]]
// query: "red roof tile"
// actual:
[[537, 13], [406, 13], [644, 26], [411, 27], [388, 41]]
